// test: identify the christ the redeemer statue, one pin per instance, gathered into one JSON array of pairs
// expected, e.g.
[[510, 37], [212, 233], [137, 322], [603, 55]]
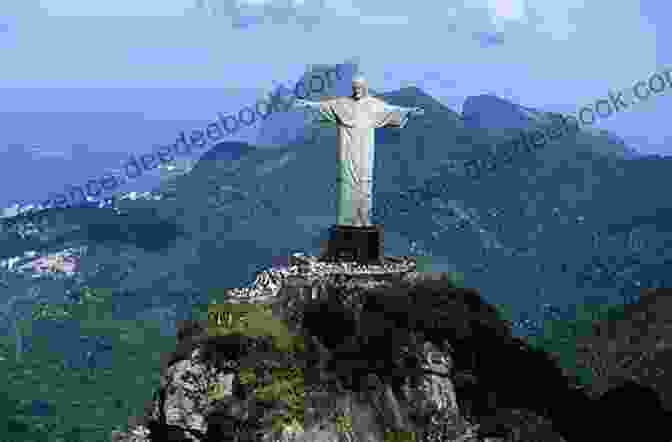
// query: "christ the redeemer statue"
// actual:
[[356, 117]]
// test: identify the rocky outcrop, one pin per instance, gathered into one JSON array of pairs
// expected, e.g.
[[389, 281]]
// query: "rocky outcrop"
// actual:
[[376, 352]]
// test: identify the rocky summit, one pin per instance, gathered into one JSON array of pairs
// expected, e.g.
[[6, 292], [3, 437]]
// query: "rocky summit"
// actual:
[[337, 391], [337, 351], [317, 351]]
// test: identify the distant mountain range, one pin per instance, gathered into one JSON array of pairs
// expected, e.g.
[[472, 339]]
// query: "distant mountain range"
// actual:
[[524, 235], [492, 113]]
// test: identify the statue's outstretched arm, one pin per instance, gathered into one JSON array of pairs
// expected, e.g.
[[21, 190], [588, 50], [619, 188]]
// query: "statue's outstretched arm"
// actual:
[[320, 109], [396, 116]]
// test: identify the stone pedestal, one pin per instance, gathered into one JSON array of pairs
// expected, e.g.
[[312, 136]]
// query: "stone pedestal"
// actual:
[[363, 245]]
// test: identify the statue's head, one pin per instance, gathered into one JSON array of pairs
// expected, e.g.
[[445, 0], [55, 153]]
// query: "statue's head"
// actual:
[[359, 87]]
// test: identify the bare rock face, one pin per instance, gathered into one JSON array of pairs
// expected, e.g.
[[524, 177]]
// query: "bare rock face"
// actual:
[[337, 403], [182, 403], [185, 390]]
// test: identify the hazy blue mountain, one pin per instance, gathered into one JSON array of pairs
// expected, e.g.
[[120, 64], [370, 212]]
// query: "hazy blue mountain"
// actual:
[[43, 152], [492, 112], [503, 118], [227, 152]]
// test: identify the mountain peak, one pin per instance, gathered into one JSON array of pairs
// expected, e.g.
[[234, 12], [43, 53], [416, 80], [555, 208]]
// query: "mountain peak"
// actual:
[[491, 111], [412, 96]]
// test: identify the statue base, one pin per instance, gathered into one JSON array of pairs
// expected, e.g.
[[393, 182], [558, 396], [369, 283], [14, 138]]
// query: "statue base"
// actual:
[[363, 245]]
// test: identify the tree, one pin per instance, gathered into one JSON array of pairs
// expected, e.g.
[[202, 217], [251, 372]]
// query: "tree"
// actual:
[[13, 317]]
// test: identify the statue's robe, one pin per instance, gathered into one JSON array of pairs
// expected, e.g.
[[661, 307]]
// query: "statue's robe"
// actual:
[[356, 121]]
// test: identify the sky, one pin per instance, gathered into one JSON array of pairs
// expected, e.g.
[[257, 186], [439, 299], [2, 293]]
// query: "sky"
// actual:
[[170, 60]]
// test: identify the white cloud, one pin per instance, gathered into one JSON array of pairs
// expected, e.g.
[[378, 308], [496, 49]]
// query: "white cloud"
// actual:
[[513, 10]]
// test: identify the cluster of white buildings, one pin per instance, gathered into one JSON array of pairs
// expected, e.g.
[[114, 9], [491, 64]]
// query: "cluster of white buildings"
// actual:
[[65, 262]]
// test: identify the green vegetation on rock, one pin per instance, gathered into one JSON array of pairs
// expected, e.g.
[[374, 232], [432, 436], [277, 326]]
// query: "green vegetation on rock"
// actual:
[[287, 386], [253, 320]]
